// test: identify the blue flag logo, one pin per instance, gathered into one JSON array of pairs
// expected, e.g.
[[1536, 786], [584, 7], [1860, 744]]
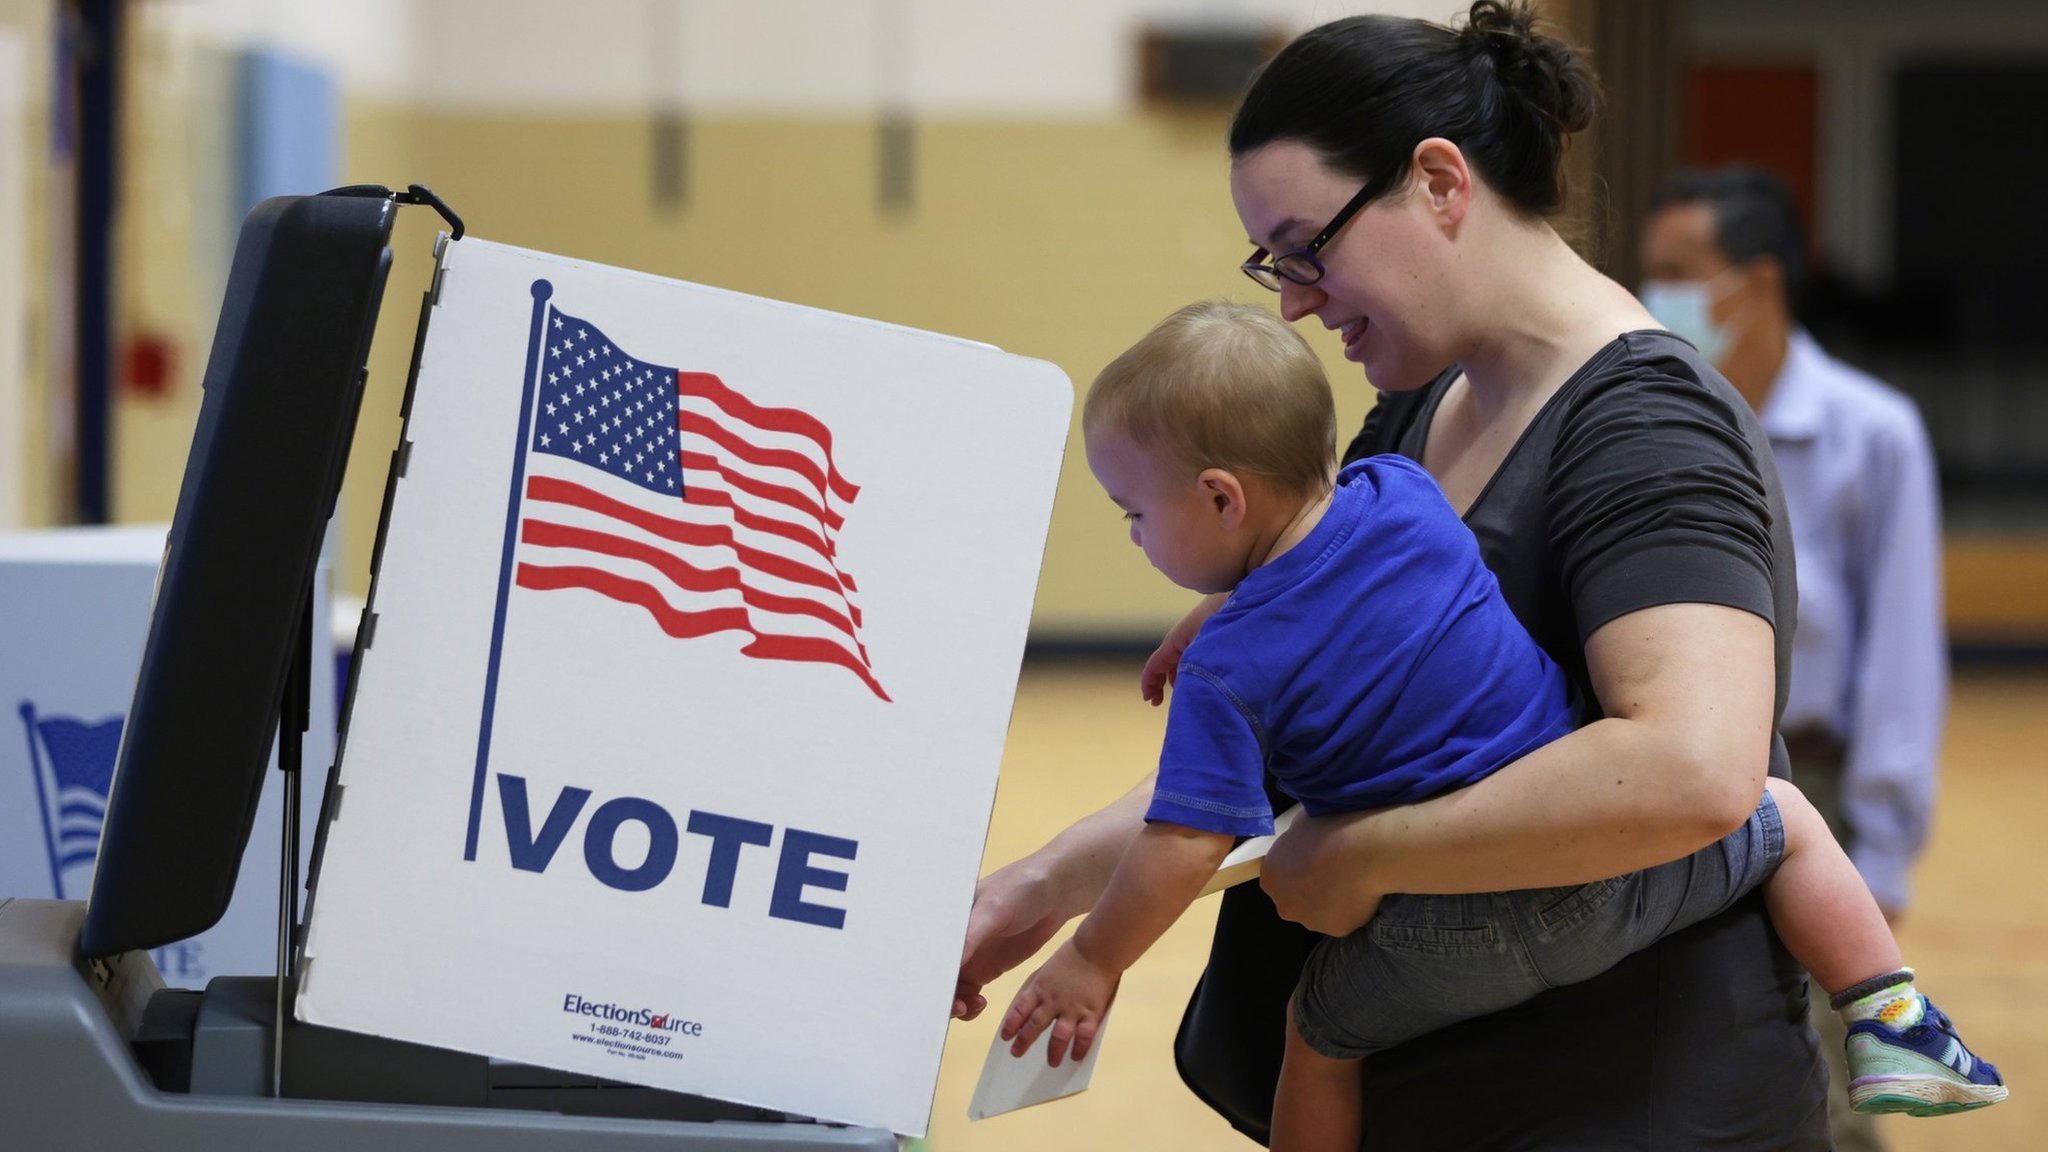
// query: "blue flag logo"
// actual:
[[73, 764]]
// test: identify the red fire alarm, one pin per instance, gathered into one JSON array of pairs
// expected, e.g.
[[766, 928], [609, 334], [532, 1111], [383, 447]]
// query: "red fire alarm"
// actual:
[[146, 363]]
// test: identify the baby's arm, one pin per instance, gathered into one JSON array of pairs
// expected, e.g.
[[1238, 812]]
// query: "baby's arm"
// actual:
[[1160, 875]]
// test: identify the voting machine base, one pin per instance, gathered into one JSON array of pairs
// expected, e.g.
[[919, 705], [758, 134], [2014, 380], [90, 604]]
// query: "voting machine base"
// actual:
[[87, 1042]]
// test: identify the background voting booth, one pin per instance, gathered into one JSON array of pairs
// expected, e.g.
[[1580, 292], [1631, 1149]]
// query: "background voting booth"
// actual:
[[74, 615], [672, 738]]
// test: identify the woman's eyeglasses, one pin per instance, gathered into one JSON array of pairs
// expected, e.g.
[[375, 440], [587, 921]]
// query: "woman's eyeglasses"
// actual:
[[1301, 266]]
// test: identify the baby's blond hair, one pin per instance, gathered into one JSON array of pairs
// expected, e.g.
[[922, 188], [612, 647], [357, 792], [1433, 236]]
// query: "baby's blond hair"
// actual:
[[1223, 385]]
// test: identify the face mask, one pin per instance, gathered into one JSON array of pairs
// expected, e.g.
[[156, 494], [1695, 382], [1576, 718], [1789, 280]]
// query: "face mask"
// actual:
[[1686, 307]]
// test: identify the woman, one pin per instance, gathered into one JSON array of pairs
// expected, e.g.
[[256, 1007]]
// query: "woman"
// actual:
[[1621, 493]]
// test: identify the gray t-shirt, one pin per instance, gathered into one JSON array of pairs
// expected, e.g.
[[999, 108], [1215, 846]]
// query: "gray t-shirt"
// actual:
[[1645, 480]]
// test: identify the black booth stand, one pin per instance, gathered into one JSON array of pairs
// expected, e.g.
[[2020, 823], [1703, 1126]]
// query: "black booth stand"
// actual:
[[95, 1052]]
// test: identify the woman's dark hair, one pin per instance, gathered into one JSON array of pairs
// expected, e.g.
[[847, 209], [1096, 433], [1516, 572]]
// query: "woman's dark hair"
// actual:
[[1364, 91]]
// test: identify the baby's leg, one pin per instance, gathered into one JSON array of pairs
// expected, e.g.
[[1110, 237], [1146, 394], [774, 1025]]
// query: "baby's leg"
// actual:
[[1820, 904], [1422, 963], [1904, 1054], [1320, 1105]]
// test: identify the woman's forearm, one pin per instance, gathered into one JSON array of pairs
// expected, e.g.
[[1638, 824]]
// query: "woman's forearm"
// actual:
[[1020, 906], [1595, 804], [1075, 866], [1679, 762]]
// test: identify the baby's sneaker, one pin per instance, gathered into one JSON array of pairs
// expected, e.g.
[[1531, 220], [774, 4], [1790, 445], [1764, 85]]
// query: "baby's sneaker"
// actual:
[[1921, 1068]]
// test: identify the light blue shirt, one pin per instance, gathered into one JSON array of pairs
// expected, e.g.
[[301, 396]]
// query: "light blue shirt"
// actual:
[[1870, 656]]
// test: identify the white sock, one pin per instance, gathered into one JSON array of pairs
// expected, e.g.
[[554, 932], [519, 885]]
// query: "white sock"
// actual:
[[1894, 1002]]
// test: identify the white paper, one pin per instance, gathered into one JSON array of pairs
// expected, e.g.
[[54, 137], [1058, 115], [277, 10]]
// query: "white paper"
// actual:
[[1244, 861], [1012, 1082]]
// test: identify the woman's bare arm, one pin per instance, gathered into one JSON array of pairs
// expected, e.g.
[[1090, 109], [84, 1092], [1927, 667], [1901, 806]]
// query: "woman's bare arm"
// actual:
[[1019, 906], [1677, 762]]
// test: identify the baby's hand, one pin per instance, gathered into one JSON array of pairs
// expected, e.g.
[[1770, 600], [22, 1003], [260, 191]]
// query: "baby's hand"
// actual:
[[1071, 994], [1162, 668]]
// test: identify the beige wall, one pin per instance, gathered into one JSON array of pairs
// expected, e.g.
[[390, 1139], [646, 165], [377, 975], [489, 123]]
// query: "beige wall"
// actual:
[[27, 449], [1061, 240], [167, 282]]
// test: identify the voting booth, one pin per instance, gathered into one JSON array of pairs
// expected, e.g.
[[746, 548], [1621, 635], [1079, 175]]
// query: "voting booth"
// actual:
[[691, 656], [74, 615], [671, 737]]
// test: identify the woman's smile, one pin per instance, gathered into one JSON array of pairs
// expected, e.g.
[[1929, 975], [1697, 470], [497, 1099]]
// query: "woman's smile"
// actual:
[[1353, 334]]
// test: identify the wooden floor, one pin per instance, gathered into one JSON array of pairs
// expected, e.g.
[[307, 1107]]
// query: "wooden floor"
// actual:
[[1978, 929]]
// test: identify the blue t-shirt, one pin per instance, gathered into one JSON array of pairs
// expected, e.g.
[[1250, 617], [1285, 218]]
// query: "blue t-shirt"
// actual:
[[1374, 663]]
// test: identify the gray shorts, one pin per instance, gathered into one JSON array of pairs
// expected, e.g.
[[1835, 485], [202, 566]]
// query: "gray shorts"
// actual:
[[1426, 962]]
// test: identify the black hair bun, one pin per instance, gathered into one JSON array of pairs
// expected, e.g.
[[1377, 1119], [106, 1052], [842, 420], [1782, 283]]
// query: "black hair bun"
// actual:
[[1546, 73]]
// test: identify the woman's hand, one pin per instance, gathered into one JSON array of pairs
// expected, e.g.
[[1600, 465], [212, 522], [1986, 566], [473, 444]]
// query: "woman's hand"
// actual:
[[1163, 666], [1318, 876], [1019, 906], [1014, 915]]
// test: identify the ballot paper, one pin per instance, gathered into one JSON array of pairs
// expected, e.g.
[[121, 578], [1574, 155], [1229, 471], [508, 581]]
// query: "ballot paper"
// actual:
[[1012, 1082], [1244, 861]]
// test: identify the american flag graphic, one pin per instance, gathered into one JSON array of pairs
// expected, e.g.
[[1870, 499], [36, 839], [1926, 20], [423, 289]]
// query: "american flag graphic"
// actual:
[[73, 763], [670, 491]]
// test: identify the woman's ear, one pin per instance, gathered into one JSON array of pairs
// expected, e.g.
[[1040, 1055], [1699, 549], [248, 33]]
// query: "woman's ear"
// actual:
[[1444, 180], [1225, 493]]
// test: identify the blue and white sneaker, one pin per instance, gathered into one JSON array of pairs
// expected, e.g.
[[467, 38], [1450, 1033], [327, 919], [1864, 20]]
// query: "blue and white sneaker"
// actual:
[[1922, 1070]]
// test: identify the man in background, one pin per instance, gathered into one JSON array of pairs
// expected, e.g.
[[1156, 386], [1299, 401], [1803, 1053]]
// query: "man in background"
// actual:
[[1725, 257]]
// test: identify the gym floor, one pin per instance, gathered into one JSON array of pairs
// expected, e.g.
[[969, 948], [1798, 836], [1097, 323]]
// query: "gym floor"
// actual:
[[1977, 930]]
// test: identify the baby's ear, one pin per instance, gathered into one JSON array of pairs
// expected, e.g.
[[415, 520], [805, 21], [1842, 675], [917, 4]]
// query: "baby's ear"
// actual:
[[1225, 492]]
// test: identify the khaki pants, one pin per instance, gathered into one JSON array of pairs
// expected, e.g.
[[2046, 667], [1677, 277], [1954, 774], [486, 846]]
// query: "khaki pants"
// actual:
[[1817, 770]]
